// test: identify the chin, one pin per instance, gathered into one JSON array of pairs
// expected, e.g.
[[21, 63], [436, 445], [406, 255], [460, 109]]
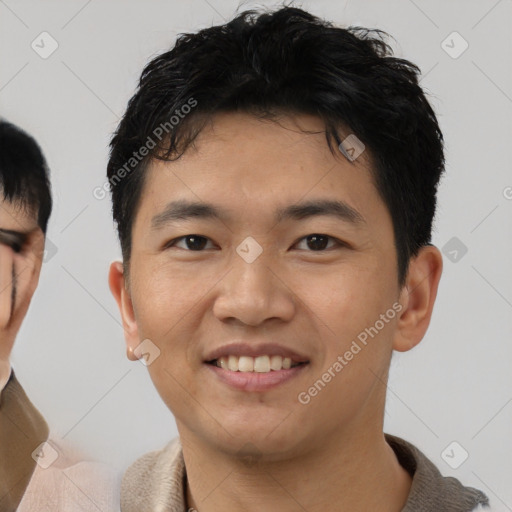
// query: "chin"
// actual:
[[259, 446]]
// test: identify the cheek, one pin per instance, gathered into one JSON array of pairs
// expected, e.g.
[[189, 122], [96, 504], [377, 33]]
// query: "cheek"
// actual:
[[161, 298], [347, 297], [168, 304], [347, 307]]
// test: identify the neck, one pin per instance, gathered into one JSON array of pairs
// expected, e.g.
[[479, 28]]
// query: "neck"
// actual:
[[341, 471]]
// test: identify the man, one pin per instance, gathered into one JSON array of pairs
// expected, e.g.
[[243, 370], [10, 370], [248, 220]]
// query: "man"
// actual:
[[63, 479], [25, 207], [274, 186]]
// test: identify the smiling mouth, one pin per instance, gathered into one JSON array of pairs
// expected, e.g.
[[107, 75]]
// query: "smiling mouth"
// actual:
[[259, 364]]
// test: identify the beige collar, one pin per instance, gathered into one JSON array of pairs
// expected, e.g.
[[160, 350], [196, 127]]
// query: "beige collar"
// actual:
[[156, 482]]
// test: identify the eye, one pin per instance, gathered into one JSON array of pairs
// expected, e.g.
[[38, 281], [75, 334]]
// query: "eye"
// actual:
[[192, 242], [315, 242], [318, 242]]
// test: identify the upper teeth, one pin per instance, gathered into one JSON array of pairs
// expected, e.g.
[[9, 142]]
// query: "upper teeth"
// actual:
[[260, 364]]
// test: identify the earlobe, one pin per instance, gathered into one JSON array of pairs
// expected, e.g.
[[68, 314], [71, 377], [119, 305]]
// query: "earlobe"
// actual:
[[418, 296], [117, 284]]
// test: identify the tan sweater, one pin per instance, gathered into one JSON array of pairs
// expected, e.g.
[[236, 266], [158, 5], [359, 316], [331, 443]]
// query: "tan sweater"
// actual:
[[155, 482], [22, 430]]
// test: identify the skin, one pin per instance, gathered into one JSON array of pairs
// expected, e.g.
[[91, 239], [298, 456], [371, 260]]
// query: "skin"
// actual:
[[19, 276], [265, 450]]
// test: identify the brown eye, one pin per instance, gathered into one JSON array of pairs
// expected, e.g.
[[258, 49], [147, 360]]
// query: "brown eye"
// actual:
[[192, 242], [195, 243], [317, 242]]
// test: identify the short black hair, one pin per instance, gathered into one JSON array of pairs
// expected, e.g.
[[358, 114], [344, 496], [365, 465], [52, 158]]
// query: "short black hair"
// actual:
[[288, 62], [24, 174]]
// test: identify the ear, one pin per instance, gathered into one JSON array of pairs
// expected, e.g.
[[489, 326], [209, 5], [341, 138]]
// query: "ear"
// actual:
[[417, 298], [117, 284]]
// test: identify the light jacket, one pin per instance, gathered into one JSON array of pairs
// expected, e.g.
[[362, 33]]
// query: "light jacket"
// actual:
[[155, 483]]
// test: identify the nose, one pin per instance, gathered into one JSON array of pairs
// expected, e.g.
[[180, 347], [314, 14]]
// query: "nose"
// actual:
[[254, 293]]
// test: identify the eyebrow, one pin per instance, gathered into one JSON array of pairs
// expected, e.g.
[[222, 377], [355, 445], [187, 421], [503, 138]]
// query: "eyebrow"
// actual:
[[182, 210], [14, 239]]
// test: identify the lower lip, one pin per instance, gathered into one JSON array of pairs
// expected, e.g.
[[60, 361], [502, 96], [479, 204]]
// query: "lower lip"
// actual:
[[254, 381]]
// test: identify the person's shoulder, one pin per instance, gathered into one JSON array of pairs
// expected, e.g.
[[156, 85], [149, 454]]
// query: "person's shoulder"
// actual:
[[153, 460], [430, 490], [155, 480], [65, 479]]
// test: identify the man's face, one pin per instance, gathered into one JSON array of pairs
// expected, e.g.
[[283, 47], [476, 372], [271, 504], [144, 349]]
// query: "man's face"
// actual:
[[19, 269], [302, 297]]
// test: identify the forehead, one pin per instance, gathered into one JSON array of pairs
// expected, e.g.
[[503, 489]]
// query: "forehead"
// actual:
[[14, 216], [249, 165]]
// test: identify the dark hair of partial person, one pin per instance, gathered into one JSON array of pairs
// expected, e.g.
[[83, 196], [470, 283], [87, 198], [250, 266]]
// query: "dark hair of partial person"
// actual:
[[288, 61], [24, 174]]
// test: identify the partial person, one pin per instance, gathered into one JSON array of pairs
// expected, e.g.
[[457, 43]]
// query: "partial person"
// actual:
[[39, 472], [25, 208]]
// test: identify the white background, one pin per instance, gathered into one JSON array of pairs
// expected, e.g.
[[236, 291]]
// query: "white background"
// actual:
[[70, 355]]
